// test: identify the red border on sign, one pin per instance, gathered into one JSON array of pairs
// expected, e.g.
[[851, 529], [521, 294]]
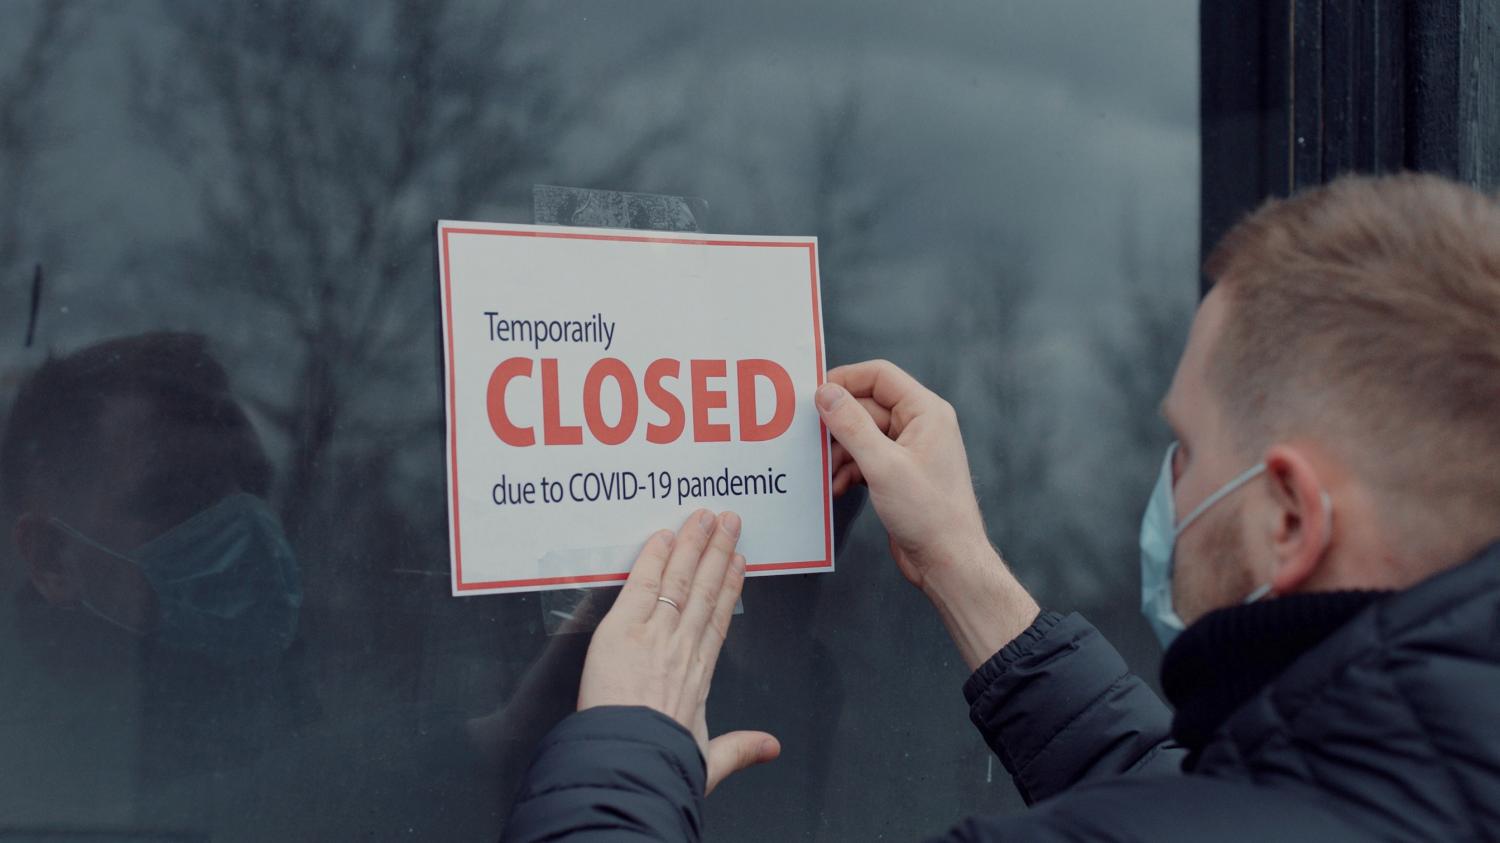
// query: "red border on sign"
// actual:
[[812, 262]]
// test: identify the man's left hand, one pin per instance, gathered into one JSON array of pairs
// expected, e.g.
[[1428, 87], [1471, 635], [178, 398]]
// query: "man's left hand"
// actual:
[[659, 644]]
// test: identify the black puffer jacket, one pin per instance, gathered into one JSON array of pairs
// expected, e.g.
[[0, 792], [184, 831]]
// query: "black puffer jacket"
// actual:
[[1387, 727]]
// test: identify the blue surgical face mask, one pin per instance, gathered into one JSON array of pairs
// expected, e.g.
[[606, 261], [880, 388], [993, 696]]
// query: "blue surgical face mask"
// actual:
[[226, 581], [1159, 532]]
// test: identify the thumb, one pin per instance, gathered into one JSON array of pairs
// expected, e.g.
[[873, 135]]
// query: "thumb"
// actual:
[[732, 752], [851, 424]]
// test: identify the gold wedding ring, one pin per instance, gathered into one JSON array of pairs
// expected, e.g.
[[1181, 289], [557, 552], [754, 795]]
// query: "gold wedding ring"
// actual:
[[669, 601]]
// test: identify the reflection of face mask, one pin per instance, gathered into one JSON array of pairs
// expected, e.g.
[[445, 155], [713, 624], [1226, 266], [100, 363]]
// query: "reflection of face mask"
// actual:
[[225, 579], [1159, 532]]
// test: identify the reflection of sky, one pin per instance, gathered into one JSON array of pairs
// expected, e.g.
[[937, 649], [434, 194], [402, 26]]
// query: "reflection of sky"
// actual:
[[1047, 119]]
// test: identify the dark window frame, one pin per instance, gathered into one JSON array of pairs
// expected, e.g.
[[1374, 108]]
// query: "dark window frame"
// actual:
[[1296, 92]]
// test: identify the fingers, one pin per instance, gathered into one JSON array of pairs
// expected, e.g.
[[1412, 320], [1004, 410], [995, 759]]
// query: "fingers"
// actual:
[[711, 640], [682, 564], [879, 413], [881, 380], [708, 583], [883, 420], [882, 416], [732, 752], [852, 425], [846, 478], [723, 613], [638, 598]]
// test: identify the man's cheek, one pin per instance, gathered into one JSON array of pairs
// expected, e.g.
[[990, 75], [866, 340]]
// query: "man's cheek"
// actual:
[[1212, 571], [1184, 569], [118, 589], [1195, 589]]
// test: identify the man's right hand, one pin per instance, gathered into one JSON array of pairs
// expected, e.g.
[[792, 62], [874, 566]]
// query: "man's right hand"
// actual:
[[903, 441]]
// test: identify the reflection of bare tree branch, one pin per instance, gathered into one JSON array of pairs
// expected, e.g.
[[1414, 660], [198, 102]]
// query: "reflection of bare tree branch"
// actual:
[[325, 140], [978, 361], [1140, 364], [1137, 364], [1014, 457], [24, 124], [845, 207]]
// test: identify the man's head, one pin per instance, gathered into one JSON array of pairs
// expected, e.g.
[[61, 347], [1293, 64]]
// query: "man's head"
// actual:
[[120, 441], [1351, 343]]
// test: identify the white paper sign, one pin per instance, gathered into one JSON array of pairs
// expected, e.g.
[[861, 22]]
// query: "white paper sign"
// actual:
[[602, 384]]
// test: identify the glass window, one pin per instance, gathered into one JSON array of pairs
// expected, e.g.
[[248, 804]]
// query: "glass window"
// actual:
[[226, 611]]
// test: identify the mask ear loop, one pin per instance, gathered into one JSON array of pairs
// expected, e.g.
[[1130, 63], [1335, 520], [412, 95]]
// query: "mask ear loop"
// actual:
[[83, 599], [1265, 588], [1244, 477]]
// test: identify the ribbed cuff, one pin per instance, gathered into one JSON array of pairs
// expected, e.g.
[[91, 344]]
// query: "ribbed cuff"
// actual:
[[1019, 646]]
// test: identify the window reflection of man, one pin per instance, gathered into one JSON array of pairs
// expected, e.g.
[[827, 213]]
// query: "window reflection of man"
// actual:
[[138, 488]]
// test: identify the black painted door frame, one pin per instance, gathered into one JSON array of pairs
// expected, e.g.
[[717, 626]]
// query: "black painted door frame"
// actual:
[[1295, 92]]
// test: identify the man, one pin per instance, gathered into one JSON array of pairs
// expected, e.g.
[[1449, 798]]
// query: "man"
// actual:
[[1325, 528]]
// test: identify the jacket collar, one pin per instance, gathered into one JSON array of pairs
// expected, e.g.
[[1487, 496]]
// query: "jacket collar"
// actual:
[[1232, 653], [1392, 714]]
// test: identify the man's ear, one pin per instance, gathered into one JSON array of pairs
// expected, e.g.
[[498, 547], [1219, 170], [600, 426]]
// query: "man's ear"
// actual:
[[41, 547], [1301, 528]]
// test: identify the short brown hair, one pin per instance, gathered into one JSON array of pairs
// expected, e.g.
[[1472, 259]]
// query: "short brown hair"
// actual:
[[1367, 312], [52, 430]]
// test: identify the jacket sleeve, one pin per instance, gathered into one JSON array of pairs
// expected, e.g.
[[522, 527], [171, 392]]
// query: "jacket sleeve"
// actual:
[[1059, 707], [612, 773]]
